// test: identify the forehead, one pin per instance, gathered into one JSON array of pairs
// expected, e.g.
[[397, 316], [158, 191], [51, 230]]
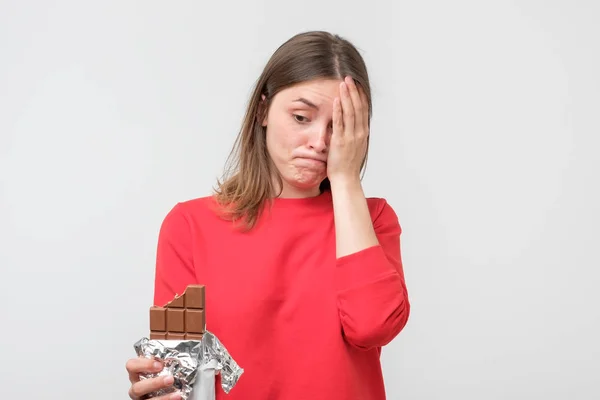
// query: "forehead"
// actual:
[[317, 91]]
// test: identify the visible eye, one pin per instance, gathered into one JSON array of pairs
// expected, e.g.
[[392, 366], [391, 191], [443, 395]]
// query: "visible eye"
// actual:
[[300, 118]]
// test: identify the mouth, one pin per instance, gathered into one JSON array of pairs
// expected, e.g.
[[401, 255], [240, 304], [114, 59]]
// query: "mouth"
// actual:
[[313, 160]]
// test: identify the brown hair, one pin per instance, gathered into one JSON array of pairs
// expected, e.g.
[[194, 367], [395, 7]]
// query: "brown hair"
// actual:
[[248, 180]]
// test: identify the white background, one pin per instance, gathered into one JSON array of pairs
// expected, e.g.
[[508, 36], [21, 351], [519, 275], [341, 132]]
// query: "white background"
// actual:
[[485, 141]]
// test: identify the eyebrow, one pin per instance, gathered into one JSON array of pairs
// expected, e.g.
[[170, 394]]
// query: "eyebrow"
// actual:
[[307, 102]]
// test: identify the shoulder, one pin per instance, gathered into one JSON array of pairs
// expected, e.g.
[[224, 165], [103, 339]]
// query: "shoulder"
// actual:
[[194, 206], [383, 214], [183, 215], [380, 207]]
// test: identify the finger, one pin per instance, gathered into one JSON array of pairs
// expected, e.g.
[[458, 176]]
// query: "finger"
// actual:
[[347, 110], [171, 396], [338, 123], [137, 366], [147, 386], [365, 102], [357, 103]]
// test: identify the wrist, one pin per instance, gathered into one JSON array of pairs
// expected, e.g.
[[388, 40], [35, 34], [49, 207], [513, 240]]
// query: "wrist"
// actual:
[[345, 183]]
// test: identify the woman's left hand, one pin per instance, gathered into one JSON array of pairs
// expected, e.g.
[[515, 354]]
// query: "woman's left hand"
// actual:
[[348, 144]]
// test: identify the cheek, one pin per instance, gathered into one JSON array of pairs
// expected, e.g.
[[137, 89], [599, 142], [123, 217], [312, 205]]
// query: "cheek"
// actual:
[[284, 138]]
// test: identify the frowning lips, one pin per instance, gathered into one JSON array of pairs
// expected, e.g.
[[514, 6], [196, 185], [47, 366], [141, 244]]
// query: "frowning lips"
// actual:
[[312, 157]]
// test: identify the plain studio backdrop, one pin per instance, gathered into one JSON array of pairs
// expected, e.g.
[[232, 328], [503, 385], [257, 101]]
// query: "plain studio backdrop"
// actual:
[[485, 140]]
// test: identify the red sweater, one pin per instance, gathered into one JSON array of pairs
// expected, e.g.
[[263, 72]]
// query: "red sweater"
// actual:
[[301, 323]]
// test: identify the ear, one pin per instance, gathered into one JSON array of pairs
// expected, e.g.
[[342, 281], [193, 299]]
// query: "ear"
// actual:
[[263, 110]]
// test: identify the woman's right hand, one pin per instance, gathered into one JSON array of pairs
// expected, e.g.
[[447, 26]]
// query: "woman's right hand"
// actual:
[[141, 387]]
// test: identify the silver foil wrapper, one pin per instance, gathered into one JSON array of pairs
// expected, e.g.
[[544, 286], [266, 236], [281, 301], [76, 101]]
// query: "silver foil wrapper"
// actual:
[[186, 359]]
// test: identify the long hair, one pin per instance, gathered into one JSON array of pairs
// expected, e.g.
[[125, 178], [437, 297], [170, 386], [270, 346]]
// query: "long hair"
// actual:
[[248, 181]]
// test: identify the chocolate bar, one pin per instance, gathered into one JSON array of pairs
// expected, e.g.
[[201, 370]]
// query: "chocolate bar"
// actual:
[[183, 318]]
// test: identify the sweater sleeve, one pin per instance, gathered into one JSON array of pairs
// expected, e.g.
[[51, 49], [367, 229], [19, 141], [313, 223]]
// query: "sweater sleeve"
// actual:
[[174, 257], [371, 292]]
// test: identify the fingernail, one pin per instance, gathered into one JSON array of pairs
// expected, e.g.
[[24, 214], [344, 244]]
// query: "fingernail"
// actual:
[[168, 379], [157, 365], [175, 396]]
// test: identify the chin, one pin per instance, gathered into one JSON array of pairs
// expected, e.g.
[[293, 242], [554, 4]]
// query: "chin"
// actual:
[[304, 179], [306, 186], [305, 183]]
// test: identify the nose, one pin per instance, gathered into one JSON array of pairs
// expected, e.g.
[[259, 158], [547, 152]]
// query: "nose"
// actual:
[[319, 140]]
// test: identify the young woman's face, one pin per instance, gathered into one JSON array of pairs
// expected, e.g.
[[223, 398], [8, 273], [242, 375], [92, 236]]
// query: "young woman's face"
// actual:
[[299, 127]]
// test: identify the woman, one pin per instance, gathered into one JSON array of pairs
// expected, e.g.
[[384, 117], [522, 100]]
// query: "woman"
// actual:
[[303, 273]]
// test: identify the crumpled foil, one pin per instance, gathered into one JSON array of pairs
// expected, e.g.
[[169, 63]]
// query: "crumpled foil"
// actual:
[[184, 358]]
